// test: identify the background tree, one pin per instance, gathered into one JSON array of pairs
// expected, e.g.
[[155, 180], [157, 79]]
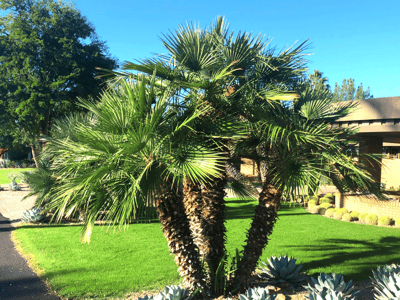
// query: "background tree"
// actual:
[[48, 57], [347, 91]]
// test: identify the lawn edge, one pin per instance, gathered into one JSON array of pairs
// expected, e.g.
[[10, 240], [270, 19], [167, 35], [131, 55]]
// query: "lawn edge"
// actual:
[[32, 263]]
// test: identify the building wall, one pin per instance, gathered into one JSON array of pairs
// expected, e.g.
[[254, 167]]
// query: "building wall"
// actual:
[[363, 204], [391, 172], [248, 168]]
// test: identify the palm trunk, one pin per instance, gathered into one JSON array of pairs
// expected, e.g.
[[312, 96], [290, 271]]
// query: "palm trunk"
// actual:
[[264, 219], [214, 229], [175, 226], [193, 203]]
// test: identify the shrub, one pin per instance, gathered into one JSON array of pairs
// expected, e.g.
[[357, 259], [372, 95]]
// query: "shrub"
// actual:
[[312, 203], [281, 269], [384, 221], [397, 222], [362, 217], [344, 210], [325, 205], [313, 209], [321, 210], [347, 218], [338, 215], [371, 220], [325, 200], [330, 196], [354, 215], [330, 212]]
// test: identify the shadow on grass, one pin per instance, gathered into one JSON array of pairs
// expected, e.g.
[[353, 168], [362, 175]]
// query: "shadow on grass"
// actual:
[[340, 251]]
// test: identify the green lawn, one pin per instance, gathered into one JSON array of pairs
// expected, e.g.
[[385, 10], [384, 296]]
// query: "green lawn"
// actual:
[[137, 259], [4, 172]]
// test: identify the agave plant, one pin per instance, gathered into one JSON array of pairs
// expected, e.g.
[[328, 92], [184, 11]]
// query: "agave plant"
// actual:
[[171, 292], [387, 282], [333, 285], [281, 269], [33, 215], [328, 295], [14, 186], [257, 294]]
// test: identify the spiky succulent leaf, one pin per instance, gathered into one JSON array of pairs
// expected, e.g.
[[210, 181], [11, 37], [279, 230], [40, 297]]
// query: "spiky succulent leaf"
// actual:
[[33, 215], [281, 269], [387, 282], [326, 284], [14, 186], [171, 292], [257, 294], [329, 295]]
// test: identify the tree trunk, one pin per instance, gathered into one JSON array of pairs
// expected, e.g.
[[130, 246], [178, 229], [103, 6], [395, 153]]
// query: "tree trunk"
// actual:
[[193, 203], [175, 226], [213, 215], [264, 219], [33, 147]]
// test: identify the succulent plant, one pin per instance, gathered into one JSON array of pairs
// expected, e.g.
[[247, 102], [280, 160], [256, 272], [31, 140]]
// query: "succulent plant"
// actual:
[[14, 186], [312, 202], [33, 215], [397, 222], [331, 295], [171, 292], [333, 285], [321, 210], [325, 200], [281, 269], [257, 294], [386, 281], [362, 217]]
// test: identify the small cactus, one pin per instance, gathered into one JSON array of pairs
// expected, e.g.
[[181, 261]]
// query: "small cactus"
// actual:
[[313, 209], [384, 221], [332, 285], [362, 217], [354, 215], [330, 212], [257, 294], [371, 220], [338, 215], [347, 218]]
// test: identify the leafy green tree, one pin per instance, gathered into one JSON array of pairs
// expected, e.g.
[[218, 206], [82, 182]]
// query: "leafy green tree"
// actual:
[[48, 57]]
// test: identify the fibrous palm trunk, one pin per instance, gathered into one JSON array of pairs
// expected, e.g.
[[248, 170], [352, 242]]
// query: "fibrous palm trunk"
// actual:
[[264, 219], [175, 226], [213, 215], [193, 202]]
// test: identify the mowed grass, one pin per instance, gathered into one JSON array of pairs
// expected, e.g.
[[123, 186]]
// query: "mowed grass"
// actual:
[[137, 259], [4, 174]]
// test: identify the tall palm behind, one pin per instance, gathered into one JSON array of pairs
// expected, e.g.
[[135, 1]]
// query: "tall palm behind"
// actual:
[[299, 147], [132, 152]]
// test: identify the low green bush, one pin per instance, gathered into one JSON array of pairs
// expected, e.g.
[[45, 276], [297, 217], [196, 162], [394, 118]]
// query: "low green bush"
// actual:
[[384, 221], [325, 205], [371, 219], [330, 212], [355, 215], [313, 209], [347, 217], [344, 210], [325, 200], [397, 222], [362, 217], [338, 215], [330, 196], [312, 203], [321, 210]]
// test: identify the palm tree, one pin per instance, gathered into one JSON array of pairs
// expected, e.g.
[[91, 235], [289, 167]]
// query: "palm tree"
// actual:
[[299, 147], [221, 68], [133, 151]]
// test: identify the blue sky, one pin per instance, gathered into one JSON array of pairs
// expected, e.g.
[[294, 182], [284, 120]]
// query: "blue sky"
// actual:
[[357, 39]]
